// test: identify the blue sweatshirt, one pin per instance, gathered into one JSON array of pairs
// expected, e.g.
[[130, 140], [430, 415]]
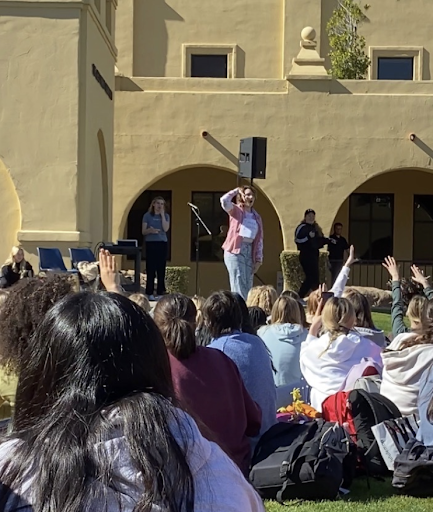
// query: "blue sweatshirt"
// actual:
[[250, 355], [284, 343]]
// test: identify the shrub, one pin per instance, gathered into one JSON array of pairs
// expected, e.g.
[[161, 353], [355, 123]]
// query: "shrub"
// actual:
[[292, 271], [177, 279]]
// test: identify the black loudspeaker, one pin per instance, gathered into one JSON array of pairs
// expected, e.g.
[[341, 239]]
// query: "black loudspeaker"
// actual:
[[252, 158]]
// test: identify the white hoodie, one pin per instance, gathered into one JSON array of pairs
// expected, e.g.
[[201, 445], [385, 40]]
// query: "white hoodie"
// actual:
[[402, 372], [218, 483], [326, 370]]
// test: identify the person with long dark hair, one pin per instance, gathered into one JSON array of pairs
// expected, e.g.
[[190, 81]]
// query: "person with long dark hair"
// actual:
[[156, 223], [223, 317], [309, 239], [243, 247], [207, 382], [96, 427]]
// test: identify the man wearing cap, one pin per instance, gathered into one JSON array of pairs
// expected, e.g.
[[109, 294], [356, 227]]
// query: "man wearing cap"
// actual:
[[309, 239]]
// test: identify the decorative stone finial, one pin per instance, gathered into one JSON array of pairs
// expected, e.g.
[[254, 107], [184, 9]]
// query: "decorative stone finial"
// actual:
[[308, 64], [117, 72], [308, 34]]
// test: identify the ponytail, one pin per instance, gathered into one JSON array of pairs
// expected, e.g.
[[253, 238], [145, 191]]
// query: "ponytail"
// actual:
[[175, 315]]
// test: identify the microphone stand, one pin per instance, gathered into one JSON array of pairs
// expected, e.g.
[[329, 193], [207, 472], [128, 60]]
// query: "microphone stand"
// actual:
[[198, 222]]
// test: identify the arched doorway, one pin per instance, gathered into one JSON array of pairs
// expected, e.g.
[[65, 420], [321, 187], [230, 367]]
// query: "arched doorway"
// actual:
[[204, 186], [10, 211], [390, 214]]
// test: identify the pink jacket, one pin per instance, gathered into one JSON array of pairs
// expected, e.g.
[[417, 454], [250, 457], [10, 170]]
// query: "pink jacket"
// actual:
[[233, 241]]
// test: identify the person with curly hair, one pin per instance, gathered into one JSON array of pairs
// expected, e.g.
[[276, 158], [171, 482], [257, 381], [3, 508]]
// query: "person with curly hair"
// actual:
[[22, 311]]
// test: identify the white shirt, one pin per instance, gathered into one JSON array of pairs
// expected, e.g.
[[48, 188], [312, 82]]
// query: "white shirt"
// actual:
[[229, 492], [249, 227], [402, 372], [325, 370]]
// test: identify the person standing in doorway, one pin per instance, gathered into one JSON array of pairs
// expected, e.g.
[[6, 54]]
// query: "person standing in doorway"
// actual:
[[156, 223], [309, 239], [243, 247], [337, 251]]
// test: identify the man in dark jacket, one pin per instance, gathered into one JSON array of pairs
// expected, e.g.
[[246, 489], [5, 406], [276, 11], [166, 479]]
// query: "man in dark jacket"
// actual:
[[337, 250], [309, 239]]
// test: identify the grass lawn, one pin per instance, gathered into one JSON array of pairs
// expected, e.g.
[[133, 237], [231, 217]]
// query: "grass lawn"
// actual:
[[361, 499], [382, 321]]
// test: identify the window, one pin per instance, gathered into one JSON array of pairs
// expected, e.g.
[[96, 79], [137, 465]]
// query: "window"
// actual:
[[209, 66], [216, 220], [395, 68], [135, 218], [371, 219], [396, 62], [423, 228], [206, 61]]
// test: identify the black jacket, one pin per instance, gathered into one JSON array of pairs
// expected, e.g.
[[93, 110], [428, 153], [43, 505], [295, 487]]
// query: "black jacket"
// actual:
[[308, 239], [8, 277]]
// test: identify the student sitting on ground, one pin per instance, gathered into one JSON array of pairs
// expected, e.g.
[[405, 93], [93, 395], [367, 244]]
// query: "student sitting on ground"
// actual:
[[406, 359], [264, 297], [141, 300], [257, 317], [364, 322], [425, 408], [22, 311], [207, 382], [202, 334], [223, 318], [416, 303], [327, 360], [15, 268], [284, 337], [96, 427]]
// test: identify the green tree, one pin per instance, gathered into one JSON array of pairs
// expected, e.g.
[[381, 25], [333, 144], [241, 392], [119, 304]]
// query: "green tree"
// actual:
[[348, 57]]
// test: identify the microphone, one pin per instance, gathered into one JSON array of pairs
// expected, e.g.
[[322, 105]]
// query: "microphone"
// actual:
[[193, 206]]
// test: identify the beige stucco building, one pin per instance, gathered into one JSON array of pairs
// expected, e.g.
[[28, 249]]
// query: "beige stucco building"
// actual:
[[340, 147], [56, 130]]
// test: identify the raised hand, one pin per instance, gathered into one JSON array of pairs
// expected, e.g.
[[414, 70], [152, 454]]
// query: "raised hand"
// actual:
[[110, 277], [316, 323], [419, 277], [351, 259], [391, 265]]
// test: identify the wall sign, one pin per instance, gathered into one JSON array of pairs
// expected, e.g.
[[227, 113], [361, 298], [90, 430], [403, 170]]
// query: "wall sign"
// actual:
[[102, 82]]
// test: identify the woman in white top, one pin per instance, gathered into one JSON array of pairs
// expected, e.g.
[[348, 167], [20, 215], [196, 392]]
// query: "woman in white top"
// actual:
[[96, 428], [404, 362], [327, 360]]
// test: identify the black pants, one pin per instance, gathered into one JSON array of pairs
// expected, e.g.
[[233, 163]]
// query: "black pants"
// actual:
[[310, 264], [336, 267], [156, 261]]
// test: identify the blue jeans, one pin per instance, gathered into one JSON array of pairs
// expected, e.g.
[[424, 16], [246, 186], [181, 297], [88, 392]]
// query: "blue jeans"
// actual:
[[240, 268]]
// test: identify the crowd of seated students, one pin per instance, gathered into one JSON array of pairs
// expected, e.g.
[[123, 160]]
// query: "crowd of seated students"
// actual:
[[113, 410]]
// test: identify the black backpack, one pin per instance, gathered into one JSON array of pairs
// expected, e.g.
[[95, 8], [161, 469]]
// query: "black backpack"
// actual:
[[413, 473], [358, 411], [309, 461]]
